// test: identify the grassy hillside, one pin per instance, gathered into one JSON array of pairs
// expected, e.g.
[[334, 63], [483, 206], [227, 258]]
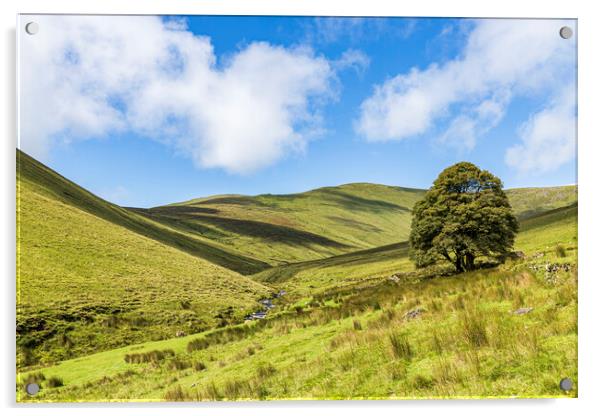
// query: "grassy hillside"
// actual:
[[381, 262], [457, 336], [52, 185], [546, 231], [338, 272], [93, 276], [528, 202], [290, 228], [281, 229], [113, 286]]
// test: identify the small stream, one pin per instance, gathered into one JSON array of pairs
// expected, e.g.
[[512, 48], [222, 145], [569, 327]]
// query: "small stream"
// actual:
[[266, 306]]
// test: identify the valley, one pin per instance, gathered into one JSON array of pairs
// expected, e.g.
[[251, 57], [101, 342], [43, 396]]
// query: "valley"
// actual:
[[149, 304]]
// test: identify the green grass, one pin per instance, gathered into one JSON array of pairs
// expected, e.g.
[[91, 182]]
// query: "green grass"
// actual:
[[528, 202], [289, 228], [103, 291], [53, 186], [358, 342], [325, 222], [545, 231], [338, 272], [87, 282], [321, 355]]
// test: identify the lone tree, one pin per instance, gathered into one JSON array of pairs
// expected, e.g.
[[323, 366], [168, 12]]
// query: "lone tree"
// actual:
[[464, 215]]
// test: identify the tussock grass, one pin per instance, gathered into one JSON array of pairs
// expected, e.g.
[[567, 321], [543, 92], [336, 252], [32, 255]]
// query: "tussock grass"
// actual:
[[265, 370], [177, 364], [35, 377], [155, 356], [54, 381], [481, 349], [400, 346], [210, 392], [176, 394], [474, 329], [227, 334], [199, 366], [560, 250], [421, 382], [446, 372], [236, 389], [197, 344], [437, 343]]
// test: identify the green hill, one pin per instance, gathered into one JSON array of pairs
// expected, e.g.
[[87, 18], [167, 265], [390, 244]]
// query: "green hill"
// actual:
[[58, 188], [528, 202], [93, 276], [289, 228], [325, 222]]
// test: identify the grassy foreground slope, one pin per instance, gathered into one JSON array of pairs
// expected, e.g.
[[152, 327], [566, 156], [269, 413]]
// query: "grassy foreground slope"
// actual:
[[325, 222], [88, 280], [457, 336]]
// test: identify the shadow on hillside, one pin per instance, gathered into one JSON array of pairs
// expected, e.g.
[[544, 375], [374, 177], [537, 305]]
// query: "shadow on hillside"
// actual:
[[183, 210], [234, 200], [267, 231], [321, 195], [191, 215], [356, 203], [547, 217], [355, 224], [356, 258], [181, 222], [51, 183]]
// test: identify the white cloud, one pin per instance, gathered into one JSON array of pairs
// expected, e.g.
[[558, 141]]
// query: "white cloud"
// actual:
[[460, 134], [353, 58], [85, 77], [469, 95], [548, 137], [331, 29], [474, 121], [356, 29]]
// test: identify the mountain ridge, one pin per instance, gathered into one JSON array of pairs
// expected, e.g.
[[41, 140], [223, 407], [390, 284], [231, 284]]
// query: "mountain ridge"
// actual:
[[342, 185]]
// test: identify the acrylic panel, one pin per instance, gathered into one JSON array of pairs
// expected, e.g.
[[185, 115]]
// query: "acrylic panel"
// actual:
[[289, 208]]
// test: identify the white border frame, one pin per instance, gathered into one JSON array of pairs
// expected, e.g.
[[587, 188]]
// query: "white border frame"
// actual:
[[590, 109]]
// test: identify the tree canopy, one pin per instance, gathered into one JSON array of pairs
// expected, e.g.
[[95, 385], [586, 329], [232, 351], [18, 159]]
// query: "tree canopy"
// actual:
[[463, 216]]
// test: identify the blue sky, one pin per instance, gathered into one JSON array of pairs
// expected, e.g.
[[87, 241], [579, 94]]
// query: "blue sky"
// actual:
[[165, 110]]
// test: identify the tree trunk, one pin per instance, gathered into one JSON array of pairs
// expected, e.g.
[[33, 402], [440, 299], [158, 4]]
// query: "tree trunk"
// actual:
[[470, 261], [459, 267]]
